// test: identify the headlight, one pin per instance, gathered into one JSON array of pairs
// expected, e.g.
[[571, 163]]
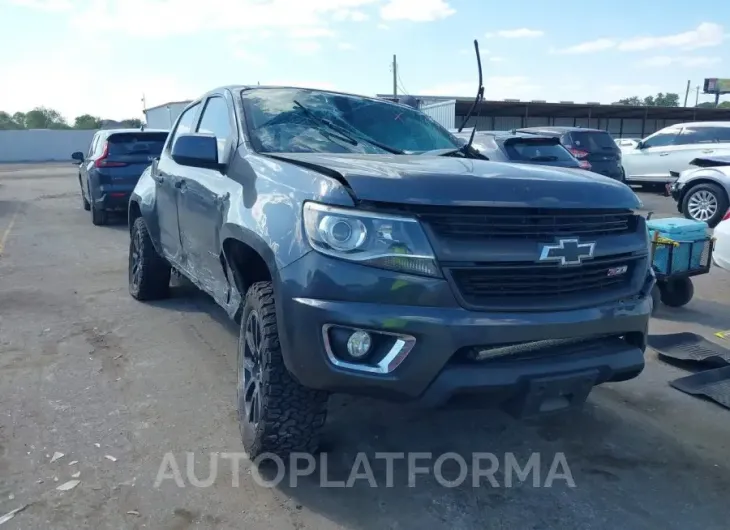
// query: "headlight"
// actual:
[[385, 241]]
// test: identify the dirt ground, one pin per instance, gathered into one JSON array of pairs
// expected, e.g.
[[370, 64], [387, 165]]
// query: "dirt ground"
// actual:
[[88, 372]]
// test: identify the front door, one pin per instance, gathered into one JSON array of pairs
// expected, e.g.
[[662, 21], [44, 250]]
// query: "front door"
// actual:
[[650, 162], [168, 181], [203, 203]]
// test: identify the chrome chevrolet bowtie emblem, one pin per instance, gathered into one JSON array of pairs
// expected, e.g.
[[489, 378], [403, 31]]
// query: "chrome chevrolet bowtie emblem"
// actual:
[[567, 252]]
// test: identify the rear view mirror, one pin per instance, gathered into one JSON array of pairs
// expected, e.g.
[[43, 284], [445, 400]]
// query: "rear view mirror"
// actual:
[[78, 156], [196, 150]]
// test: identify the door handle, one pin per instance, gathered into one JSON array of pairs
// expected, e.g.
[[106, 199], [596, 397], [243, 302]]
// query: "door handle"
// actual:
[[708, 151], [663, 154]]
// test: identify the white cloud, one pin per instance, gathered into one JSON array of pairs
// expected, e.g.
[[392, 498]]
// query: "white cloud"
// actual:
[[185, 17], [348, 14], [686, 61], [345, 46], [45, 5], [306, 47], [706, 35], [495, 87], [416, 10], [589, 46], [519, 33]]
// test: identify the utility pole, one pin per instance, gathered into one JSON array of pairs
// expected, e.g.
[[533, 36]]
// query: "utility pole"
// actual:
[[697, 95], [686, 93], [395, 78]]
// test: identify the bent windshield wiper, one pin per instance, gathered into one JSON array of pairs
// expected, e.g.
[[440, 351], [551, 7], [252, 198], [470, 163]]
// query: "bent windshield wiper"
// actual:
[[347, 134]]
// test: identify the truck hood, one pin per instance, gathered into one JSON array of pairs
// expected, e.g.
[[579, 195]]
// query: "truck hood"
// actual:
[[441, 180]]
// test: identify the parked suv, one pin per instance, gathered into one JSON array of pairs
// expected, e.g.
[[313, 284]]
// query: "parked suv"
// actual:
[[364, 250], [594, 146], [112, 166], [522, 148], [673, 148]]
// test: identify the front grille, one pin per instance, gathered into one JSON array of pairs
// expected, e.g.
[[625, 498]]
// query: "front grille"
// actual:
[[523, 284], [526, 223]]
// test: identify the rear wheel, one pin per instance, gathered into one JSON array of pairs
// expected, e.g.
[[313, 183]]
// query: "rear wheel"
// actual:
[[276, 414], [85, 203], [98, 216], [149, 273], [705, 202]]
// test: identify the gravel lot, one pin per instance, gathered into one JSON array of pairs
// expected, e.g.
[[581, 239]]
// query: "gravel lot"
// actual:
[[88, 372]]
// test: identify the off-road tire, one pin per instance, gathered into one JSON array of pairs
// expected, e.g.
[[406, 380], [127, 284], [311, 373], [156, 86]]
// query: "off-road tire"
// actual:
[[292, 416], [720, 196], [153, 282], [676, 293]]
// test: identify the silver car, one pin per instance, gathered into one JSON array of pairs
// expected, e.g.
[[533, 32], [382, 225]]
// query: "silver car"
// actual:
[[702, 192], [672, 149]]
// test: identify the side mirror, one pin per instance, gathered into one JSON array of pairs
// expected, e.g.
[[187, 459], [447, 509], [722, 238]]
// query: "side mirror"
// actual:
[[639, 145], [196, 150], [78, 156]]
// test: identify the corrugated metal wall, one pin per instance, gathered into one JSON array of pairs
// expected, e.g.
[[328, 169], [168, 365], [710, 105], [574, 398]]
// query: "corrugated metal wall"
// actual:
[[443, 112], [619, 128], [164, 117], [43, 145]]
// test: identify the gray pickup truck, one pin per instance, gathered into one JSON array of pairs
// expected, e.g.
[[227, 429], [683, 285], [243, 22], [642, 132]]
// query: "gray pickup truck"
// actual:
[[364, 249]]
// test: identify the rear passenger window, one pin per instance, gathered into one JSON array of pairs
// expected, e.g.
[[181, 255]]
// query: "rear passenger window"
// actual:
[[185, 124], [697, 135], [216, 121]]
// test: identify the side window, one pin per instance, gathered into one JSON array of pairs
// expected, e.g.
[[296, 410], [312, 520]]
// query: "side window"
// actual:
[[697, 135], [216, 120], [662, 138], [184, 124], [722, 134], [92, 147], [99, 144]]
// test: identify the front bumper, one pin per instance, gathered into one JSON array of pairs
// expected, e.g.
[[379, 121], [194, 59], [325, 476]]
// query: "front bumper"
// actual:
[[317, 291]]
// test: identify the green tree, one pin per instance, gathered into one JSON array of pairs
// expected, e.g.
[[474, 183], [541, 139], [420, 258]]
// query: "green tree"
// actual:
[[45, 118], [711, 105], [633, 100], [669, 99], [87, 121], [19, 118], [133, 123], [7, 122]]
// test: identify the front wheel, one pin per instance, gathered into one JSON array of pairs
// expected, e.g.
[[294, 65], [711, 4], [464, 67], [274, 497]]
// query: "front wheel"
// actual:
[[676, 293], [149, 273], [276, 414], [705, 202]]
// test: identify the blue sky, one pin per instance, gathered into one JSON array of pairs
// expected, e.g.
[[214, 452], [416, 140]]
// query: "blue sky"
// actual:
[[100, 56]]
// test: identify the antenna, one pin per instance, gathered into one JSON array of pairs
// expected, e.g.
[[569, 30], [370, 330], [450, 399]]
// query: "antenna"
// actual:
[[480, 89]]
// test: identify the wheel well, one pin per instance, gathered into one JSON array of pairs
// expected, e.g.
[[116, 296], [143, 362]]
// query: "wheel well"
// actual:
[[699, 181], [134, 212], [247, 265]]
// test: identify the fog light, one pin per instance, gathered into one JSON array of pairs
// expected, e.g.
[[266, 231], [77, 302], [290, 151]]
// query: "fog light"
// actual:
[[358, 345]]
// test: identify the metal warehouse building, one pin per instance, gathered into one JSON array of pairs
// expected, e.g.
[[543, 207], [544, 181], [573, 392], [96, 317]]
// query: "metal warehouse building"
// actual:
[[164, 116], [622, 121]]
